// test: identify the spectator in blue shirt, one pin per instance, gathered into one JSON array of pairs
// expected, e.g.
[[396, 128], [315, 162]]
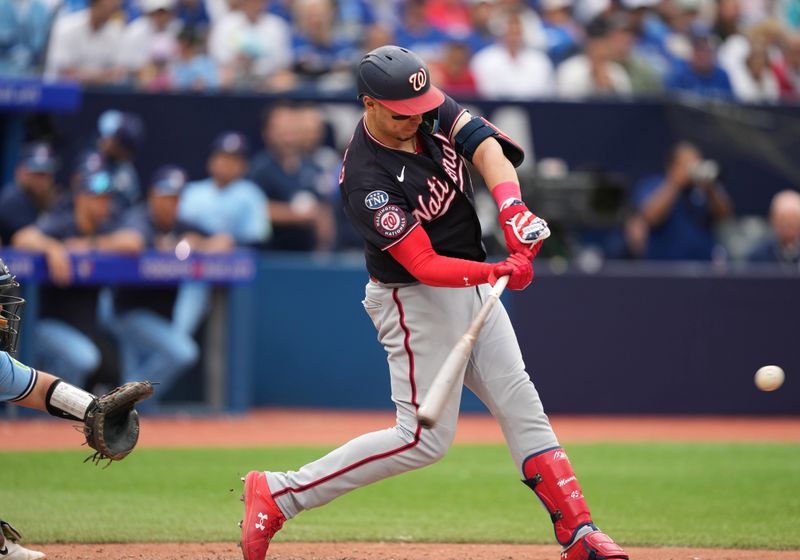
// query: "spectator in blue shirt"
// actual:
[[227, 202], [652, 36], [193, 14], [68, 332], [681, 207], [193, 69], [323, 58], [563, 35], [415, 33], [32, 192], [701, 74], [481, 13], [784, 245], [155, 326], [24, 29], [301, 219]]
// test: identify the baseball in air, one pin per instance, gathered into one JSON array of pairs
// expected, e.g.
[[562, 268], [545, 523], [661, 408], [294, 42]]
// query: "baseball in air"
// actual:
[[769, 378], [183, 250]]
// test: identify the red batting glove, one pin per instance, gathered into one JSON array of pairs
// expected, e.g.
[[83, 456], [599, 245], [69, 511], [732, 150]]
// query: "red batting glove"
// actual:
[[518, 266], [522, 229]]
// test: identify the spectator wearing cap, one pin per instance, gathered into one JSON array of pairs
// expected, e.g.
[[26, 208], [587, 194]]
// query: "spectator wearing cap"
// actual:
[[87, 45], [24, 28], [155, 326], [252, 47], [120, 135], [510, 69], [302, 220], [564, 36], [150, 43], [67, 333], [784, 244], [226, 201], [32, 192], [594, 73], [701, 74]]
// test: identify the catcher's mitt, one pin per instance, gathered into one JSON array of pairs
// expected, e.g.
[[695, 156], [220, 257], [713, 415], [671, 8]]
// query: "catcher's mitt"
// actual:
[[111, 425]]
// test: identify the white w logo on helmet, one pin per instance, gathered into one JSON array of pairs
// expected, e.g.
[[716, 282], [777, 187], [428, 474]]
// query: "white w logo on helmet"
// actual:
[[418, 79]]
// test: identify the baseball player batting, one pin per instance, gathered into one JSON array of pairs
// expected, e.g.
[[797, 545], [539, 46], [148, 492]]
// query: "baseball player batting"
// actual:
[[407, 191]]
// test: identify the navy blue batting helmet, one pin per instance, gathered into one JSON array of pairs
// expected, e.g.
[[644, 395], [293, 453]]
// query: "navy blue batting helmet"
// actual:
[[398, 79]]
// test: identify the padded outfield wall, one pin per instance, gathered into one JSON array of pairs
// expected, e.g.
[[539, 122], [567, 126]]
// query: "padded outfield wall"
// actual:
[[628, 339]]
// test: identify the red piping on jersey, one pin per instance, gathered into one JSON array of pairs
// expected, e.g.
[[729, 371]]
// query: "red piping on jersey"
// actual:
[[396, 241], [412, 382], [455, 122]]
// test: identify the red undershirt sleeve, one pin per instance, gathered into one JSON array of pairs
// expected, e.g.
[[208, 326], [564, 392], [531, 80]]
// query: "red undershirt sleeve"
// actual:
[[417, 256]]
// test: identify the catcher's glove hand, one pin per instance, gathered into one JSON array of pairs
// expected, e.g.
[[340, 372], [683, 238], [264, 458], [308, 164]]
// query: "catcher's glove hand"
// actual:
[[111, 425]]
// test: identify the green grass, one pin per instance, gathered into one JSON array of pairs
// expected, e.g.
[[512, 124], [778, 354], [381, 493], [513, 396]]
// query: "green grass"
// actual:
[[718, 495]]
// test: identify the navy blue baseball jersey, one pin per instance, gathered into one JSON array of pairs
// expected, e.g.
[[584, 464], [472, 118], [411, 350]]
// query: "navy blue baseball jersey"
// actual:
[[388, 192]]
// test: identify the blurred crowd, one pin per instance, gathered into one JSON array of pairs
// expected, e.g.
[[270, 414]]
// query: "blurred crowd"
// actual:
[[279, 196], [521, 49]]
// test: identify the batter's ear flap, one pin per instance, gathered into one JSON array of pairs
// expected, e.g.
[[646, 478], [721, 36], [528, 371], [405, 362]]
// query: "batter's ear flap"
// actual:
[[479, 129]]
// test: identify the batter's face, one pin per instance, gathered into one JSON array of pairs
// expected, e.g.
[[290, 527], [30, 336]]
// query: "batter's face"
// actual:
[[389, 127]]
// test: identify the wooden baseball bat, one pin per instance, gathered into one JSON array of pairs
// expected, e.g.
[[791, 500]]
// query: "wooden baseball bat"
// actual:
[[452, 371]]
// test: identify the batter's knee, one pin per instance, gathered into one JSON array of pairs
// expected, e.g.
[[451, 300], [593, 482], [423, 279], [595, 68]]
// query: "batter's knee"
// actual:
[[434, 444]]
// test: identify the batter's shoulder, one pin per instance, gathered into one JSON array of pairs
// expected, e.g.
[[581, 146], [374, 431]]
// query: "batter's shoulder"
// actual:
[[363, 168], [366, 176]]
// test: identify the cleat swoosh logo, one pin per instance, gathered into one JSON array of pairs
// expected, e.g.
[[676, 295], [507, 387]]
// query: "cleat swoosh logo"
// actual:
[[402, 175]]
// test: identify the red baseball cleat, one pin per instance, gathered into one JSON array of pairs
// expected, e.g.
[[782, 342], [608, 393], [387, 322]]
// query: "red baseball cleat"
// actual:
[[262, 516], [594, 546]]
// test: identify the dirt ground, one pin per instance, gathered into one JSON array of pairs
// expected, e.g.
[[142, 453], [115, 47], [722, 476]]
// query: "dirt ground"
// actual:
[[382, 551], [309, 427]]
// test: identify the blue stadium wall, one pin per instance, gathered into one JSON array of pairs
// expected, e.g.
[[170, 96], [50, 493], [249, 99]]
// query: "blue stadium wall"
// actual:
[[629, 339]]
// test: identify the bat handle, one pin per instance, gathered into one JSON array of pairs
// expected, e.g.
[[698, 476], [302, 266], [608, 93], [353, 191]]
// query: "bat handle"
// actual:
[[499, 286]]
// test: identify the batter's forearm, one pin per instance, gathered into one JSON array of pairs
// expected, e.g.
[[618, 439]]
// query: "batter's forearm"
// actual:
[[418, 257]]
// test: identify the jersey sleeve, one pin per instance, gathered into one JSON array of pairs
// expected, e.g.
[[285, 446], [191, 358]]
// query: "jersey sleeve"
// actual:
[[379, 213], [449, 112]]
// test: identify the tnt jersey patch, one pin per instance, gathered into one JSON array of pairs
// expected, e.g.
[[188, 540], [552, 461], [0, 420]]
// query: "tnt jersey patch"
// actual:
[[390, 221]]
